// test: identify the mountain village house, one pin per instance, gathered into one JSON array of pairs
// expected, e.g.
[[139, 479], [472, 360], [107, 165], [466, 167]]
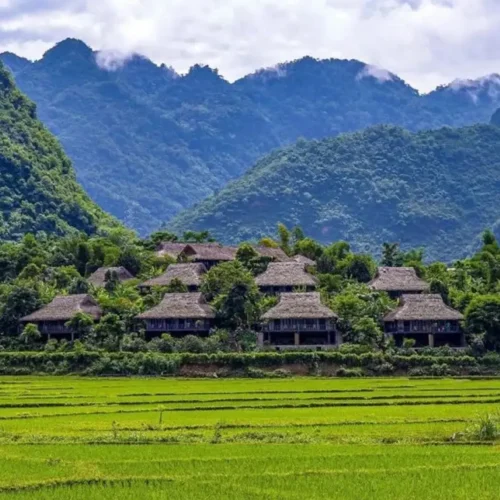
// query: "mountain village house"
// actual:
[[426, 319], [299, 319], [189, 275], [179, 314], [99, 277], [51, 319], [397, 281], [283, 277]]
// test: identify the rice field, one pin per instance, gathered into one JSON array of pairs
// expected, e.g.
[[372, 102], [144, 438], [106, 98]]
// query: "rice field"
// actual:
[[304, 438]]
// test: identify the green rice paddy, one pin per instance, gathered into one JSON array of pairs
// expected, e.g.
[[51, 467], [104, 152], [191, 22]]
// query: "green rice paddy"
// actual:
[[304, 438]]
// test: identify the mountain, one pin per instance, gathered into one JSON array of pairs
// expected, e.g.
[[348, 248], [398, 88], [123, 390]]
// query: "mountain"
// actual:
[[147, 142], [38, 189], [436, 189]]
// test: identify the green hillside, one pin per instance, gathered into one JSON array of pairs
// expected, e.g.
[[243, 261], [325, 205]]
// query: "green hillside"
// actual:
[[38, 189], [436, 189]]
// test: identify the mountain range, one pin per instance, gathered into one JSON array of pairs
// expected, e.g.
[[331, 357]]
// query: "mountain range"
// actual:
[[147, 142], [38, 189]]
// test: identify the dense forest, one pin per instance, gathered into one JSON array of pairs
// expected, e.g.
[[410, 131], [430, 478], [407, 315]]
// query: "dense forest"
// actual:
[[434, 189], [38, 189], [147, 142]]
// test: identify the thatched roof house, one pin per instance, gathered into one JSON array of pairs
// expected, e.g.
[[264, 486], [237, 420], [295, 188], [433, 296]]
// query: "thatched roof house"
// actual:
[[179, 313], [302, 259], [209, 254], [180, 305], [284, 277], [98, 278], [189, 274], [398, 280], [423, 307], [299, 306], [276, 254], [64, 307], [52, 318], [170, 249]]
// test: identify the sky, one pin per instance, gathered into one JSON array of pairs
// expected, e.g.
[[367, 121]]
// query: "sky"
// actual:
[[425, 42]]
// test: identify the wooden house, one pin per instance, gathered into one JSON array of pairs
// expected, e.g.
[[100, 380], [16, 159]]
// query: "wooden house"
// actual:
[[51, 319], [98, 278], [283, 277], [179, 314], [397, 281], [426, 319], [188, 274], [300, 319]]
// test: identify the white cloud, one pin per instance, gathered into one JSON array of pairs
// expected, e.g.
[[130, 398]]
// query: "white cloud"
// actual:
[[426, 42], [380, 74]]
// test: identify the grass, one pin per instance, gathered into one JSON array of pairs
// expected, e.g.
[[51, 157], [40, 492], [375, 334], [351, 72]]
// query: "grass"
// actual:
[[72, 438]]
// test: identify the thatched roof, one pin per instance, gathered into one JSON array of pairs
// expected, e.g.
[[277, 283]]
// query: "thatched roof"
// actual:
[[423, 307], [172, 249], [392, 279], [189, 274], [286, 274], [302, 259], [98, 278], [298, 306], [274, 253], [180, 305], [210, 251], [64, 307]]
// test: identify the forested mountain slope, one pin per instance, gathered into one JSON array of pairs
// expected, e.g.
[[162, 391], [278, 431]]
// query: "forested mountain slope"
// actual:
[[147, 142], [38, 189], [436, 189]]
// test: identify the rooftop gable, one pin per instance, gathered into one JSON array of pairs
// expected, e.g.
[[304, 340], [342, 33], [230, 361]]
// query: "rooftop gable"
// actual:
[[393, 279], [98, 277], [190, 274], [64, 307], [180, 305], [286, 274], [299, 306], [425, 306]]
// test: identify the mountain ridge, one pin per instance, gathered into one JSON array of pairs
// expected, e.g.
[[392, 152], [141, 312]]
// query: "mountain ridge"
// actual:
[[147, 143]]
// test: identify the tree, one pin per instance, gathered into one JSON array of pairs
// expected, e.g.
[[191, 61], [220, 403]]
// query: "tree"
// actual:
[[253, 262], [111, 281], [391, 255], [309, 248], [441, 288], [239, 307], [18, 302], [284, 238], [131, 260], [30, 334], [359, 267], [483, 316], [78, 286], [81, 324], [220, 279], [196, 236], [109, 332], [367, 331], [82, 257]]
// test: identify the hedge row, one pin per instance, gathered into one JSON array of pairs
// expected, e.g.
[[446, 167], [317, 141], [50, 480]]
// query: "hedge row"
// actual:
[[126, 363]]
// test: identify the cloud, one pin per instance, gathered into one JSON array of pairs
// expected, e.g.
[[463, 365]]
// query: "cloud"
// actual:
[[426, 42], [380, 74], [489, 85]]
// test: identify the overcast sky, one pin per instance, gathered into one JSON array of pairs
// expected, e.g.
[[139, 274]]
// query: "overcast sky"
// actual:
[[426, 42]]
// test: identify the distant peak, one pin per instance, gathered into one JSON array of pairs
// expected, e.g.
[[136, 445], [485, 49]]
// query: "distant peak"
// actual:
[[69, 47], [203, 73]]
